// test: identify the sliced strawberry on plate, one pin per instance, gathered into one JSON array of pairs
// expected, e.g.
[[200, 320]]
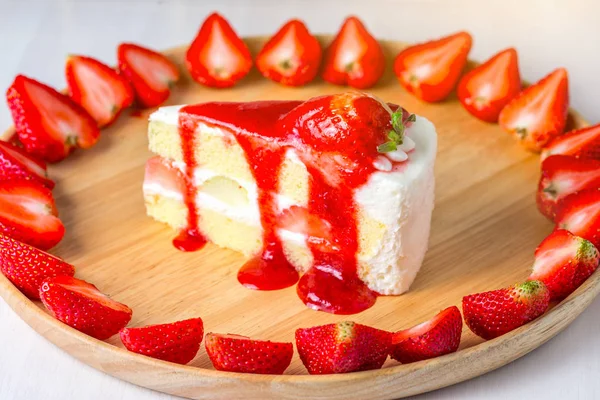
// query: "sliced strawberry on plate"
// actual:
[[430, 70], [579, 213], [177, 342], [17, 164], [580, 143], [563, 262], [354, 57], [151, 74], [486, 89], [318, 232], [82, 306], [436, 337], [539, 113], [342, 347], [562, 176], [492, 314], [28, 214], [218, 57], [98, 88], [49, 124], [292, 56], [27, 267], [235, 353]]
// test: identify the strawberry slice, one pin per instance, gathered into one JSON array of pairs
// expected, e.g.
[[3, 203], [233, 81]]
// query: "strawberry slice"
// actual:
[[539, 113], [562, 176], [98, 88], [49, 124], [563, 262], [318, 232], [218, 57], [485, 90], [430, 70], [342, 347], [579, 213], [17, 164], [292, 56], [580, 143], [492, 314], [82, 306], [28, 214], [235, 353], [27, 267], [151, 74], [354, 57], [436, 337], [160, 174], [177, 342]]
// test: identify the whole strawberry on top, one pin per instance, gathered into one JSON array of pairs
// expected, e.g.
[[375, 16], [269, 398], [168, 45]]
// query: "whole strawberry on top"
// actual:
[[16, 164], [49, 124], [292, 56], [579, 213], [539, 113], [582, 143], [218, 57], [354, 57]]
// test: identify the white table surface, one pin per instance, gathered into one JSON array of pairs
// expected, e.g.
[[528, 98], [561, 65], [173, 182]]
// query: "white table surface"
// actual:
[[35, 37]]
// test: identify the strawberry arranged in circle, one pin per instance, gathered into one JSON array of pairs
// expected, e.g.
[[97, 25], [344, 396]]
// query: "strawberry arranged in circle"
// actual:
[[49, 124], [431, 70], [563, 262], [539, 113], [292, 56], [218, 57], [579, 213], [98, 88], [28, 214], [354, 57], [82, 306], [177, 342], [27, 267], [342, 347], [436, 337], [562, 176], [235, 353], [151, 74], [486, 89], [492, 314], [17, 164], [581, 143]]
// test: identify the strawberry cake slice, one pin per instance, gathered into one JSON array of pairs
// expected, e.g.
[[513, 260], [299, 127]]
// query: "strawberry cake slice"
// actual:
[[336, 192]]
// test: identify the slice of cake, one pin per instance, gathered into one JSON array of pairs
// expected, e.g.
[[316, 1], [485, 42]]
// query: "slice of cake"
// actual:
[[337, 189]]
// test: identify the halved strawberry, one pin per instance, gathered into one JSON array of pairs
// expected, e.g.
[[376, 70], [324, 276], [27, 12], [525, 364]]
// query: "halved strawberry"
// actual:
[[160, 174], [98, 88], [580, 143], [218, 57], [235, 353], [354, 57], [485, 90], [342, 347], [562, 176], [17, 164], [49, 124], [563, 262], [28, 214], [436, 337], [292, 56], [82, 306], [539, 113], [430, 70], [318, 232], [579, 213], [492, 314], [27, 267], [151, 74], [177, 342]]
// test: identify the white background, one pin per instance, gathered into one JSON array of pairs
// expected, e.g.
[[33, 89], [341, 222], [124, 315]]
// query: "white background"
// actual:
[[35, 37]]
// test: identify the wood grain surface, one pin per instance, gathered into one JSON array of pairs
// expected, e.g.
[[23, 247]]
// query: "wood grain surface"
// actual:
[[484, 231]]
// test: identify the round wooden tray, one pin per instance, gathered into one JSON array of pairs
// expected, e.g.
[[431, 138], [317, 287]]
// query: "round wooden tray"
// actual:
[[485, 229]]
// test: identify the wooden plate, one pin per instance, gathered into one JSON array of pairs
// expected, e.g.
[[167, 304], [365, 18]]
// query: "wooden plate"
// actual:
[[485, 229]]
